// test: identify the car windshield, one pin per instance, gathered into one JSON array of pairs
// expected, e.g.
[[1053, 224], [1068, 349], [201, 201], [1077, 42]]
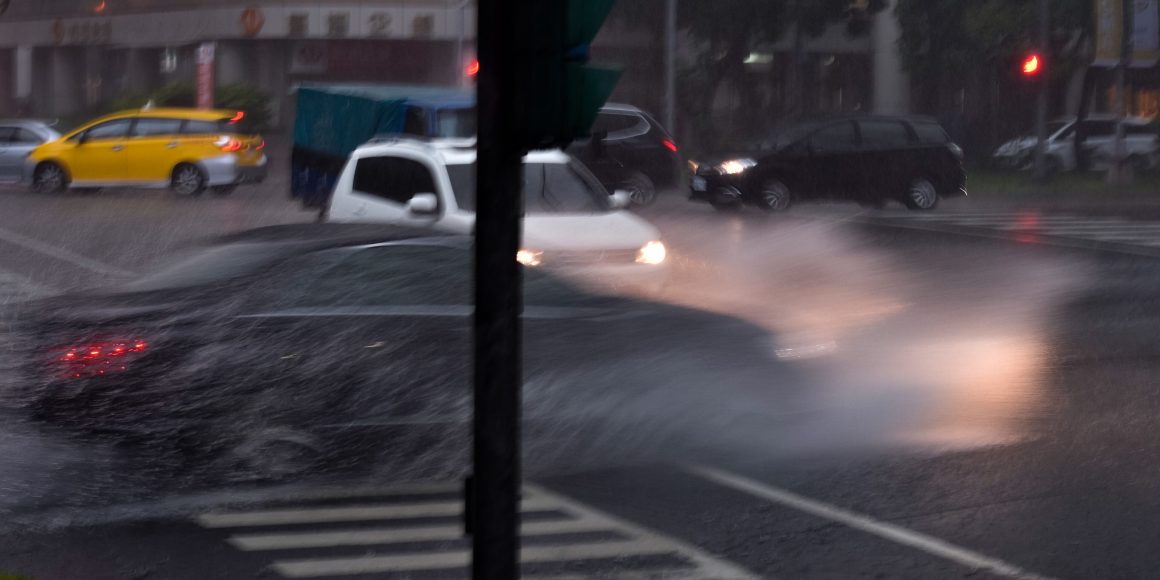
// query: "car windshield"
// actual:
[[548, 188], [456, 123]]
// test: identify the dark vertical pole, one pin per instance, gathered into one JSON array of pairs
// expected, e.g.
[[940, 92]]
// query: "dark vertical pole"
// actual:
[[1045, 61], [495, 524], [1120, 169]]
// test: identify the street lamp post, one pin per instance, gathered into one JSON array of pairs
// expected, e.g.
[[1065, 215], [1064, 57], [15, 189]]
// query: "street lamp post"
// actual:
[[671, 65]]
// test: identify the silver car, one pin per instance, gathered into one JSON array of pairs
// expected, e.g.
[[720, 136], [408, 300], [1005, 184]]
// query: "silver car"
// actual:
[[17, 139]]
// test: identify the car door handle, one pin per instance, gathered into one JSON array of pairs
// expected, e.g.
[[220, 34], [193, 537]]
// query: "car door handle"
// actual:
[[171, 145], [118, 147]]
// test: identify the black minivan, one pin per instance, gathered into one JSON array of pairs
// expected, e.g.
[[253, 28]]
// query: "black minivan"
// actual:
[[867, 159]]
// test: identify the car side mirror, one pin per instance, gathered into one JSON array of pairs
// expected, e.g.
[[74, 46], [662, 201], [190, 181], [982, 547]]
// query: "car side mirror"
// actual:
[[619, 199], [423, 204]]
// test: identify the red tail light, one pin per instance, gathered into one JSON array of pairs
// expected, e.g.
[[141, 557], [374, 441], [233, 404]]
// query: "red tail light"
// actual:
[[99, 358], [261, 145], [670, 145], [238, 118], [230, 145]]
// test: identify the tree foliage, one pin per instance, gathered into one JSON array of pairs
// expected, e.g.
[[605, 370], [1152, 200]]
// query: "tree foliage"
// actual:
[[957, 35], [725, 32]]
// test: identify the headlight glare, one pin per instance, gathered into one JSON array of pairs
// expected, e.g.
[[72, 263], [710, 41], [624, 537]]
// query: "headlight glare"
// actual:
[[652, 253], [735, 166], [530, 258]]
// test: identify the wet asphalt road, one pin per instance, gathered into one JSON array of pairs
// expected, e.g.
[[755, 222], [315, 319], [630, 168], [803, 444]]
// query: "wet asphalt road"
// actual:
[[977, 399]]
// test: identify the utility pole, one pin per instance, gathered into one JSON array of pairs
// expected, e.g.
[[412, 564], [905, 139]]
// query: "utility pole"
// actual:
[[1044, 83], [535, 91], [495, 484], [671, 65], [1121, 172]]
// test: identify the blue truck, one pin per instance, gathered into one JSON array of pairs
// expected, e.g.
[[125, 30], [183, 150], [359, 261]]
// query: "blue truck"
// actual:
[[333, 120]]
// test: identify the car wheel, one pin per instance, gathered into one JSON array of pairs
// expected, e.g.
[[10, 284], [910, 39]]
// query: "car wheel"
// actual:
[[1139, 164], [187, 180], [1052, 164], [774, 196], [922, 195], [641, 190], [49, 178], [275, 454], [223, 190]]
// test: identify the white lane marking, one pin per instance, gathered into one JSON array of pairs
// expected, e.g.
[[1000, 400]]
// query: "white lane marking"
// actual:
[[708, 566], [631, 540], [385, 536], [359, 513], [887, 531], [62, 254], [462, 558]]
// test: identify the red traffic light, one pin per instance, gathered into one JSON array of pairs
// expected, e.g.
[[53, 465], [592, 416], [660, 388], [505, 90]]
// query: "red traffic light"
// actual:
[[1031, 65]]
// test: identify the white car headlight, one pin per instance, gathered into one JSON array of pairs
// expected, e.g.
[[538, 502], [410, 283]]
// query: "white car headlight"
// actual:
[[735, 166], [531, 258], [652, 253]]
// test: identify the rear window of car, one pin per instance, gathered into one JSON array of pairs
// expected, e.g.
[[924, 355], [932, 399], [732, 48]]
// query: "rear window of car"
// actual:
[[1139, 130], [210, 265], [193, 127], [150, 126], [884, 134], [931, 133], [620, 125], [1099, 128], [835, 138]]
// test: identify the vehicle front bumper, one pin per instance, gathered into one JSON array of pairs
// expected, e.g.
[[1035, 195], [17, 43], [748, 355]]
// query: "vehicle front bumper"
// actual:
[[715, 189], [225, 170]]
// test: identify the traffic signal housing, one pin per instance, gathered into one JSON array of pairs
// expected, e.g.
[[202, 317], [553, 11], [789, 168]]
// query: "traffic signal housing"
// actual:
[[559, 91]]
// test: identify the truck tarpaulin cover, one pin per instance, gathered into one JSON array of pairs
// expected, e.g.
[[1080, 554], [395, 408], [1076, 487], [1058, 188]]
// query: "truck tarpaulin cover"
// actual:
[[332, 121]]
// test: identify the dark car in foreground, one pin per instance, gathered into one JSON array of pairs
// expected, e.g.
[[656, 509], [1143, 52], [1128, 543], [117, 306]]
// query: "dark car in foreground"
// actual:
[[868, 159], [278, 349]]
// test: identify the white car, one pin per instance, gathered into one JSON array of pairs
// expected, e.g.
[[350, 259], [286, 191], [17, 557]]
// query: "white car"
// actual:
[[1140, 142], [571, 224]]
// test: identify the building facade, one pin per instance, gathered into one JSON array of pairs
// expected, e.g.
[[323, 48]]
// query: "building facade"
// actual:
[[66, 57]]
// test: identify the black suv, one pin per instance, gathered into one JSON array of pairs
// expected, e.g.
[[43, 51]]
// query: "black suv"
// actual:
[[631, 152], [868, 159]]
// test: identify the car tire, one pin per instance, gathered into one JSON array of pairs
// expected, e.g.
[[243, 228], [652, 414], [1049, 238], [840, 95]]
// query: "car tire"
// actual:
[[49, 177], [641, 190], [187, 180], [774, 196], [275, 454], [921, 195], [223, 190], [1053, 165], [1139, 164]]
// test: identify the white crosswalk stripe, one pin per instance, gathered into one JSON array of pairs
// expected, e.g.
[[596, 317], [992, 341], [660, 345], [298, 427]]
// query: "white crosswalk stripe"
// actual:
[[1064, 228], [403, 531]]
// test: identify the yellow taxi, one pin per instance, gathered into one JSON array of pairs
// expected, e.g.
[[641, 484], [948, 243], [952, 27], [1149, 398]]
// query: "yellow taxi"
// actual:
[[186, 150]]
